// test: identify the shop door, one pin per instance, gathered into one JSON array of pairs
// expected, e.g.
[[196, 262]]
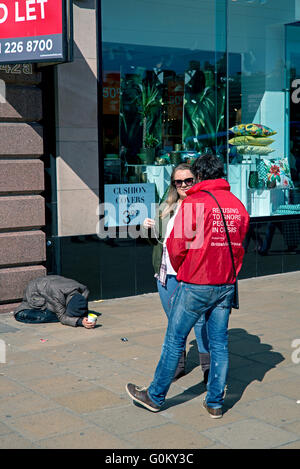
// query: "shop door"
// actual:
[[49, 159]]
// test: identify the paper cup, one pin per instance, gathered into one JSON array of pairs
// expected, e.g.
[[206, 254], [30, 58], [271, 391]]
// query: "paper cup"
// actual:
[[92, 317]]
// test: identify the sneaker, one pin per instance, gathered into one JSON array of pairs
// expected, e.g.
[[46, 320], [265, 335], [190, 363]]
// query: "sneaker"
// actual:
[[139, 394], [213, 413]]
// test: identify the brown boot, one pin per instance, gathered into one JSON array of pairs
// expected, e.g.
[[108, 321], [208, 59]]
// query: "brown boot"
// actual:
[[180, 371], [204, 359], [205, 376]]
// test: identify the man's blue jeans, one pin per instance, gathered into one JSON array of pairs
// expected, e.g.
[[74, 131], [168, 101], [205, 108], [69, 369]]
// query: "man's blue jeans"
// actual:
[[189, 303], [166, 293]]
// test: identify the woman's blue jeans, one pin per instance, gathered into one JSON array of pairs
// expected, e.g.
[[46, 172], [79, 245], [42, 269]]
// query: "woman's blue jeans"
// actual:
[[188, 304], [166, 295]]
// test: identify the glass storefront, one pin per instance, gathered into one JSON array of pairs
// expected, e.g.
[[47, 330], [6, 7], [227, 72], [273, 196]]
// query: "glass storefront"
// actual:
[[183, 78]]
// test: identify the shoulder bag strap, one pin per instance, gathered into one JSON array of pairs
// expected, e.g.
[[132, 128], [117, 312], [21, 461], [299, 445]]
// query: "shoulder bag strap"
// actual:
[[226, 229]]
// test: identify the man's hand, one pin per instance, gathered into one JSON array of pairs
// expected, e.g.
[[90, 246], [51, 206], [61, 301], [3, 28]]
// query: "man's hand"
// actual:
[[87, 324]]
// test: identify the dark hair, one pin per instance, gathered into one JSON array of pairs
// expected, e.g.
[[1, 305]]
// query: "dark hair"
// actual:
[[208, 166]]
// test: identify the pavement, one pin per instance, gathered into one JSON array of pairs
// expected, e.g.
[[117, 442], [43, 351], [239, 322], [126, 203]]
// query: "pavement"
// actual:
[[64, 387]]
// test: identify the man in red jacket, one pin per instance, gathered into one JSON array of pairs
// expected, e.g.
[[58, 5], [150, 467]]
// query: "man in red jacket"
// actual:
[[199, 252]]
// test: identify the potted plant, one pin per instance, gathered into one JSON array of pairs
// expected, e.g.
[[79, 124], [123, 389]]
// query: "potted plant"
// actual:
[[204, 116], [150, 105], [140, 111], [150, 143]]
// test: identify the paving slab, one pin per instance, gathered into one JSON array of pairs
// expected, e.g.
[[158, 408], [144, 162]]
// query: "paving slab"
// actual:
[[87, 438], [250, 434]]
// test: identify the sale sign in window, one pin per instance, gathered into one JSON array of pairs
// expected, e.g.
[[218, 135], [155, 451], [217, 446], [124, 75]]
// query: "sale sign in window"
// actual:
[[31, 30]]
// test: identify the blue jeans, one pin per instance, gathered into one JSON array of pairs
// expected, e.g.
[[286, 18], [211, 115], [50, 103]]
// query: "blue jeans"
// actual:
[[190, 302], [166, 294]]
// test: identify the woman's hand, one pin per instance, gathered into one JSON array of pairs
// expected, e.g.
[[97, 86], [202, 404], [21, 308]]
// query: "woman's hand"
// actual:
[[148, 223]]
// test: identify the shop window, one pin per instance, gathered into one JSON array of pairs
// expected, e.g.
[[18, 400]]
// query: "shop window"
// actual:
[[264, 164], [172, 90], [164, 95]]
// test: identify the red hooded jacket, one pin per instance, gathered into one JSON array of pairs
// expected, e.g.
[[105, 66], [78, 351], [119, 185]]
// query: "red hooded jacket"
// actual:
[[198, 246]]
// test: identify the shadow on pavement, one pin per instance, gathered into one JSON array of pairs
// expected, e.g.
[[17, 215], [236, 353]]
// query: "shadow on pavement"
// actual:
[[256, 360], [261, 358]]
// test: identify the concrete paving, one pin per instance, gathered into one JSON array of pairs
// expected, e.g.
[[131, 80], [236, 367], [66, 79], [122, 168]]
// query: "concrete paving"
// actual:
[[64, 387]]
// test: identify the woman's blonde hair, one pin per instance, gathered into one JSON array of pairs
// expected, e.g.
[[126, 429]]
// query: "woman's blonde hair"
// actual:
[[172, 196]]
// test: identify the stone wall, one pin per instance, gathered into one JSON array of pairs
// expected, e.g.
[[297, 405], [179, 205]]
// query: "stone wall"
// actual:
[[22, 206]]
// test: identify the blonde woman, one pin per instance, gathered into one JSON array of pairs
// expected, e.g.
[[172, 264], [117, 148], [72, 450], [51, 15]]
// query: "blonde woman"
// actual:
[[182, 179]]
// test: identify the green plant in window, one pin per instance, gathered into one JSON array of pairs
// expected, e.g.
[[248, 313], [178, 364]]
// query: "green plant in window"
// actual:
[[204, 115], [149, 107], [130, 128], [150, 141], [140, 106]]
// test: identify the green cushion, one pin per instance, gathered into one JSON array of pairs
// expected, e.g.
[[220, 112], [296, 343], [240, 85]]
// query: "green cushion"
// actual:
[[253, 150], [249, 140]]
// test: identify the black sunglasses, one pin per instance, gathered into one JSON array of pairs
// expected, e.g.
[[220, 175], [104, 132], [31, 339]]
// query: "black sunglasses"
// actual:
[[188, 182]]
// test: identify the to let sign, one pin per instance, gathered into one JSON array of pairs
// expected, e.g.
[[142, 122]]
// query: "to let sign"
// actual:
[[32, 30]]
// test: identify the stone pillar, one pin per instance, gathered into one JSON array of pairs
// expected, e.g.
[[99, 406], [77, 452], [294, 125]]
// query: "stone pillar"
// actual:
[[77, 130], [22, 208]]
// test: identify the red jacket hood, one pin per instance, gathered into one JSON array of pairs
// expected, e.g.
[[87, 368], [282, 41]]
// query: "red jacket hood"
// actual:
[[210, 184]]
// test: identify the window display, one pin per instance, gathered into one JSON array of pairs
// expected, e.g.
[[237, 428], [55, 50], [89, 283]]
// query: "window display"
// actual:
[[164, 90], [263, 170], [174, 90], [154, 117]]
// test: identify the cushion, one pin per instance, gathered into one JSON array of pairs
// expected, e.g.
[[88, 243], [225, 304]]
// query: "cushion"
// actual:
[[285, 173], [253, 150], [277, 171], [262, 167], [249, 140], [289, 209], [256, 130]]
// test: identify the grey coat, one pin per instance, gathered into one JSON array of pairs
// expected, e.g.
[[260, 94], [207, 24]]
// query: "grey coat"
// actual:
[[52, 292]]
